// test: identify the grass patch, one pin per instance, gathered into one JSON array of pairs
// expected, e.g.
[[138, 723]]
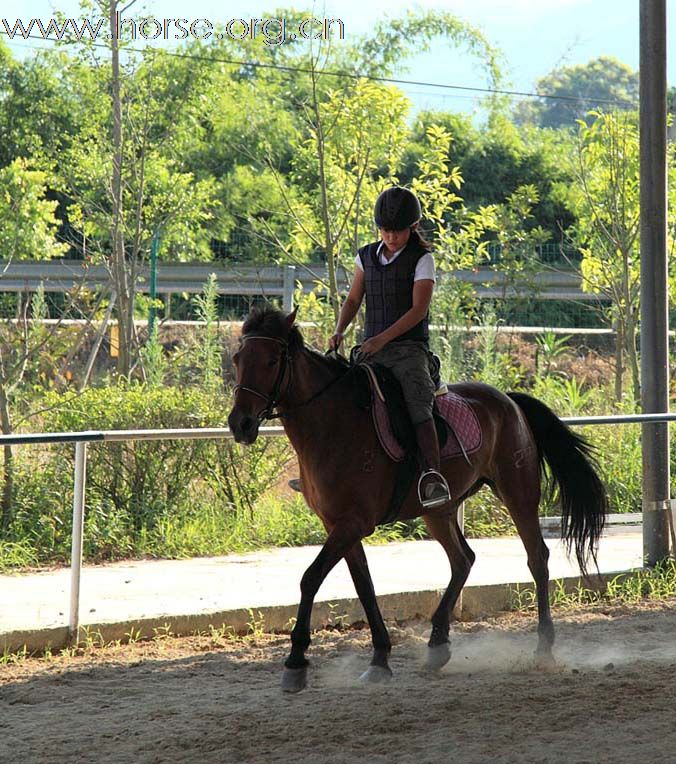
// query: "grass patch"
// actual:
[[17, 554], [657, 583]]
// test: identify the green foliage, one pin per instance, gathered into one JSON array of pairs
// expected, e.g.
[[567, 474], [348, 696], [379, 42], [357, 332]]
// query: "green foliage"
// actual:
[[198, 359], [130, 485], [30, 358], [657, 583], [606, 201], [38, 114], [450, 312], [457, 231], [283, 523], [617, 447], [550, 347], [315, 308], [517, 265], [601, 80], [494, 366], [486, 516], [464, 138], [17, 554], [338, 160], [566, 396], [239, 475], [502, 158], [161, 103], [255, 204], [170, 497], [211, 347], [27, 219]]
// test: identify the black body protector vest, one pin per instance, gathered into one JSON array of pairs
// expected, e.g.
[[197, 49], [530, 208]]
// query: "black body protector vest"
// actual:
[[389, 290]]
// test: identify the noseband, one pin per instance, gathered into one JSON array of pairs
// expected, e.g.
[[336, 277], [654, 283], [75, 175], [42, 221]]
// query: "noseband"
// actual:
[[273, 399]]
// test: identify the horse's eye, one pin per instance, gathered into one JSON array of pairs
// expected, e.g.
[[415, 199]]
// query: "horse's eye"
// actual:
[[273, 362]]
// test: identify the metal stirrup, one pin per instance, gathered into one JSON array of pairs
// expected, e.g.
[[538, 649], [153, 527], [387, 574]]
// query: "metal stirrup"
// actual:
[[429, 503]]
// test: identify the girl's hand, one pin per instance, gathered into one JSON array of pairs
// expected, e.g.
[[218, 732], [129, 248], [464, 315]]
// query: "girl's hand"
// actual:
[[373, 345], [335, 341]]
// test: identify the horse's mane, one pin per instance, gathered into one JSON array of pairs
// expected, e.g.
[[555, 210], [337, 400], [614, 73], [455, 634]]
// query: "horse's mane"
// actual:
[[271, 322]]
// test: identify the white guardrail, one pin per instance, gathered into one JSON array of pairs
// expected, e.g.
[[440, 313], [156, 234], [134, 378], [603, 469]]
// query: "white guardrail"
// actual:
[[81, 439]]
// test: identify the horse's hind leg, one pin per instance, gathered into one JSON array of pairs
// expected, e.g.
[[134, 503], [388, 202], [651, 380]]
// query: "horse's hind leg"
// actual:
[[445, 529], [379, 669], [522, 499]]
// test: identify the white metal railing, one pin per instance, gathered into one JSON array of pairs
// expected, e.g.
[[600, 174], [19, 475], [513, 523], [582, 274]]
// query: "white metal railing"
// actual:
[[82, 439]]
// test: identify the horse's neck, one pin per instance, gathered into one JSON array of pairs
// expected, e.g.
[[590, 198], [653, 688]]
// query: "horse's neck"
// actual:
[[306, 423]]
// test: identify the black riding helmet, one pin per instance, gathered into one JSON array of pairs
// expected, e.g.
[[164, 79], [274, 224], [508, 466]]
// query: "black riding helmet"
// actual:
[[397, 208]]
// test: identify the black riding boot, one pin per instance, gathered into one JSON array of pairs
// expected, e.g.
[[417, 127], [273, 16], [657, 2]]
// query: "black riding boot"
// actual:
[[433, 489]]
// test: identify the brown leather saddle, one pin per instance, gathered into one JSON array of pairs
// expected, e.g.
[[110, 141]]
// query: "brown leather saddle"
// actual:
[[457, 424]]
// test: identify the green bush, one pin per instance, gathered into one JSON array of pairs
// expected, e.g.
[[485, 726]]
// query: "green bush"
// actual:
[[138, 492]]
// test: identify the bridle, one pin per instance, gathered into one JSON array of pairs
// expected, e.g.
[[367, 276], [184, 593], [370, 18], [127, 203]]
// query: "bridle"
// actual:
[[276, 395], [273, 399]]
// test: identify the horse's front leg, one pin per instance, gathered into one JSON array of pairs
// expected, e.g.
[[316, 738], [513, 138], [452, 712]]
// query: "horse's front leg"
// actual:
[[379, 670], [341, 538], [445, 529]]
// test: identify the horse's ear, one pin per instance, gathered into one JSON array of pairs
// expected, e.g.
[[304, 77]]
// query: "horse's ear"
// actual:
[[290, 319]]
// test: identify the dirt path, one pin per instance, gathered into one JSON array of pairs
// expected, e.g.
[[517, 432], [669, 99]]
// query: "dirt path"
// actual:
[[203, 700]]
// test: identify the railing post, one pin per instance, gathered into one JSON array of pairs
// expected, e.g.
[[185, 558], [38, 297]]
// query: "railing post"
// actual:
[[289, 283], [457, 610], [76, 544]]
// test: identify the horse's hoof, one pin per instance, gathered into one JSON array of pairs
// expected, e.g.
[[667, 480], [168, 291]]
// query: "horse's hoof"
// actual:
[[376, 675], [438, 656], [294, 679], [544, 660]]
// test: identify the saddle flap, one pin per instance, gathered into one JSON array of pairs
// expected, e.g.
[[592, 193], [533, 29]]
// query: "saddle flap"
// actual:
[[462, 429]]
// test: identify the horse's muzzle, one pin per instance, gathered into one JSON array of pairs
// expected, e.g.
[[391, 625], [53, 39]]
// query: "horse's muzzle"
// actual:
[[243, 427]]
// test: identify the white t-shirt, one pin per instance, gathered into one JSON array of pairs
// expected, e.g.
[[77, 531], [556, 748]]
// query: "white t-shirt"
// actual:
[[424, 268]]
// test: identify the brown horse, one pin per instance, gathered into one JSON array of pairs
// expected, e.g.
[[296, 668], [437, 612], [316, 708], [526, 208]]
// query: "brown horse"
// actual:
[[347, 478]]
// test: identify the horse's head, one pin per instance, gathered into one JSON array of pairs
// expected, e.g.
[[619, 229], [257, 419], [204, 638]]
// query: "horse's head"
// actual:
[[262, 370]]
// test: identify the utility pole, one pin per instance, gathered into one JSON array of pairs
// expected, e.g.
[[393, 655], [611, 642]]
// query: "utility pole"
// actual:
[[654, 279]]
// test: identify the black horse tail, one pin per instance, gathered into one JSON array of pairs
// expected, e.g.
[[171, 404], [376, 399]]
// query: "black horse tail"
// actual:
[[583, 500]]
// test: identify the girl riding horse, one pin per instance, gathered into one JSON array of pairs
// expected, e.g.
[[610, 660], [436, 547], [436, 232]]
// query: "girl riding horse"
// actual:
[[397, 277], [348, 478]]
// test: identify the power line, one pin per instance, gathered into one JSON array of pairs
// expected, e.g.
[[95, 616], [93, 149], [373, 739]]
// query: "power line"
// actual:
[[354, 76]]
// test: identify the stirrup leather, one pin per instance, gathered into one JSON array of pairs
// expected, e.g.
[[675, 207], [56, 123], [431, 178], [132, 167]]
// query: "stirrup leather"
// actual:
[[438, 500]]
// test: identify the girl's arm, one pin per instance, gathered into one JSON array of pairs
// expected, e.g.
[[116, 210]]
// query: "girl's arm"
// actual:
[[422, 296], [350, 308]]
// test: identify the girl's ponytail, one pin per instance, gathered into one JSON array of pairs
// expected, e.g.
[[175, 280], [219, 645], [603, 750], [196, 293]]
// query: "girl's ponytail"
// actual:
[[420, 239]]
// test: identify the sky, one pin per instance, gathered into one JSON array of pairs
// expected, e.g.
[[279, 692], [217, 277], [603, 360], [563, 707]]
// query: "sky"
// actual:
[[535, 36]]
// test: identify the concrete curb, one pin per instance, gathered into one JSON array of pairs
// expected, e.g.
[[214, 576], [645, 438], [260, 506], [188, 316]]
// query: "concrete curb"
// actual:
[[477, 601]]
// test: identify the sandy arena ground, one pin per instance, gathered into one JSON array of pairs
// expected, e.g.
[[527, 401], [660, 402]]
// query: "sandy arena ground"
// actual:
[[612, 698]]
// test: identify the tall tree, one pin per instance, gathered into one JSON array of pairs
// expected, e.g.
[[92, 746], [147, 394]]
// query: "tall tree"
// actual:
[[36, 113], [603, 83], [605, 198], [125, 176], [352, 136], [27, 227]]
